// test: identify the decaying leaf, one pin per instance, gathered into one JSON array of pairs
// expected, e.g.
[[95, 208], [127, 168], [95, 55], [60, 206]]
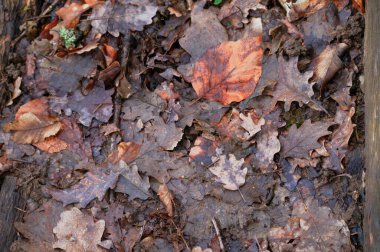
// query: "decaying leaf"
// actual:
[[203, 151], [237, 6], [166, 198], [123, 16], [250, 126], [97, 104], [131, 183], [229, 172], [70, 13], [16, 90], [205, 32], [300, 141], [30, 128], [267, 146], [338, 146], [342, 95], [126, 151], [93, 185], [328, 63], [292, 85], [302, 8], [37, 227], [229, 73], [167, 135], [77, 231], [311, 228], [62, 75]]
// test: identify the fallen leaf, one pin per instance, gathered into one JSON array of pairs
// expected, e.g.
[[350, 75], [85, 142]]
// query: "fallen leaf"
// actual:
[[320, 28], [16, 90], [109, 129], [203, 151], [37, 228], [300, 141], [250, 126], [239, 6], [71, 12], [131, 183], [229, 73], [267, 146], [126, 151], [327, 64], [30, 128], [166, 198], [205, 32], [292, 85], [97, 104], [62, 75], [229, 172], [77, 231], [358, 4], [122, 16], [37, 107], [303, 162], [342, 95], [167, 135], [93, 185], [311, 228], [340, 4], [167, 92], [302, 8], [338, 146]]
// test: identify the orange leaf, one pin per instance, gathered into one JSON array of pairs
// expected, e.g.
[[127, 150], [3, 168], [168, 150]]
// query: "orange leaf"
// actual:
[[110, 53], [126, 151], [166, 198], [52, 145], [45, 33], [358, 4], [229, 73], [70, 13], [37, 107]]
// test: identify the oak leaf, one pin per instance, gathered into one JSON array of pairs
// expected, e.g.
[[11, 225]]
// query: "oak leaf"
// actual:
[[77, 231], [229, 171], [123, 16], [166, 198], [93, 185], [229, 73], [30, 128], [300, 141], [131, 183], [292, 85]]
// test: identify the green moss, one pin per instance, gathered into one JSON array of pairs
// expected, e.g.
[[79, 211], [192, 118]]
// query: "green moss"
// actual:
[[68, 37]]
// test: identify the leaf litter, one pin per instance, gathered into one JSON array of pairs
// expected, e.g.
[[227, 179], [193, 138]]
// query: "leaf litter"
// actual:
[[189, 126]]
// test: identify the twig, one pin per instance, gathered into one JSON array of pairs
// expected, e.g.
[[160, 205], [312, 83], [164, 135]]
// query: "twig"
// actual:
[[180, 234], [258, 244], [218, 234]]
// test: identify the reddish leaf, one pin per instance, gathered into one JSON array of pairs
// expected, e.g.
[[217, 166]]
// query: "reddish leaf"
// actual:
[[166, 198], [70, 13], [126, 151], [229, 73], [45, 33]]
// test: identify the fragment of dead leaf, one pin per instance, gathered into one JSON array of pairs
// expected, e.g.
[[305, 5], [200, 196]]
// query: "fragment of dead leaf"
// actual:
[[166, 198]]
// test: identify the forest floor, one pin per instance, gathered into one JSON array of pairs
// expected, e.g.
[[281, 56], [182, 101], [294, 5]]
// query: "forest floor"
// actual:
[[169, 125]]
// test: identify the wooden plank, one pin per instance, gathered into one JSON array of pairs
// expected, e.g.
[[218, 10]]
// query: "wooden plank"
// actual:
[[372, 112], [10, 200]]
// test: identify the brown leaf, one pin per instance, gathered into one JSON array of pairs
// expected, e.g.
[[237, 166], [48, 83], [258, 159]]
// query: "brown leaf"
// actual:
[[327, 64], [237, 6], [77, 231], [205, 32], [292, 85], [93, 185], [300, 141], [203, 151], [122, 16], [311, 228], [16, 90], [30, 128], [166, 198], [302, 8], [109, 129], [229, 171], [71, 12], [358, 4], [229, 73], [37, 227], [342, 95], [267, 146], [338, 147], [126, 151]]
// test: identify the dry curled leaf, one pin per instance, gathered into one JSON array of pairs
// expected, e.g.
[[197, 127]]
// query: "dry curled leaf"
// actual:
[[237, 6], [229, 172], [78, 232], [292, 85], [166, 198], [300, 141], [30, 128], [229, 73]]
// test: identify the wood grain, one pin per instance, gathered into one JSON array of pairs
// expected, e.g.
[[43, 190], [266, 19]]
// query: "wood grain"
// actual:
[[372, 113]]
